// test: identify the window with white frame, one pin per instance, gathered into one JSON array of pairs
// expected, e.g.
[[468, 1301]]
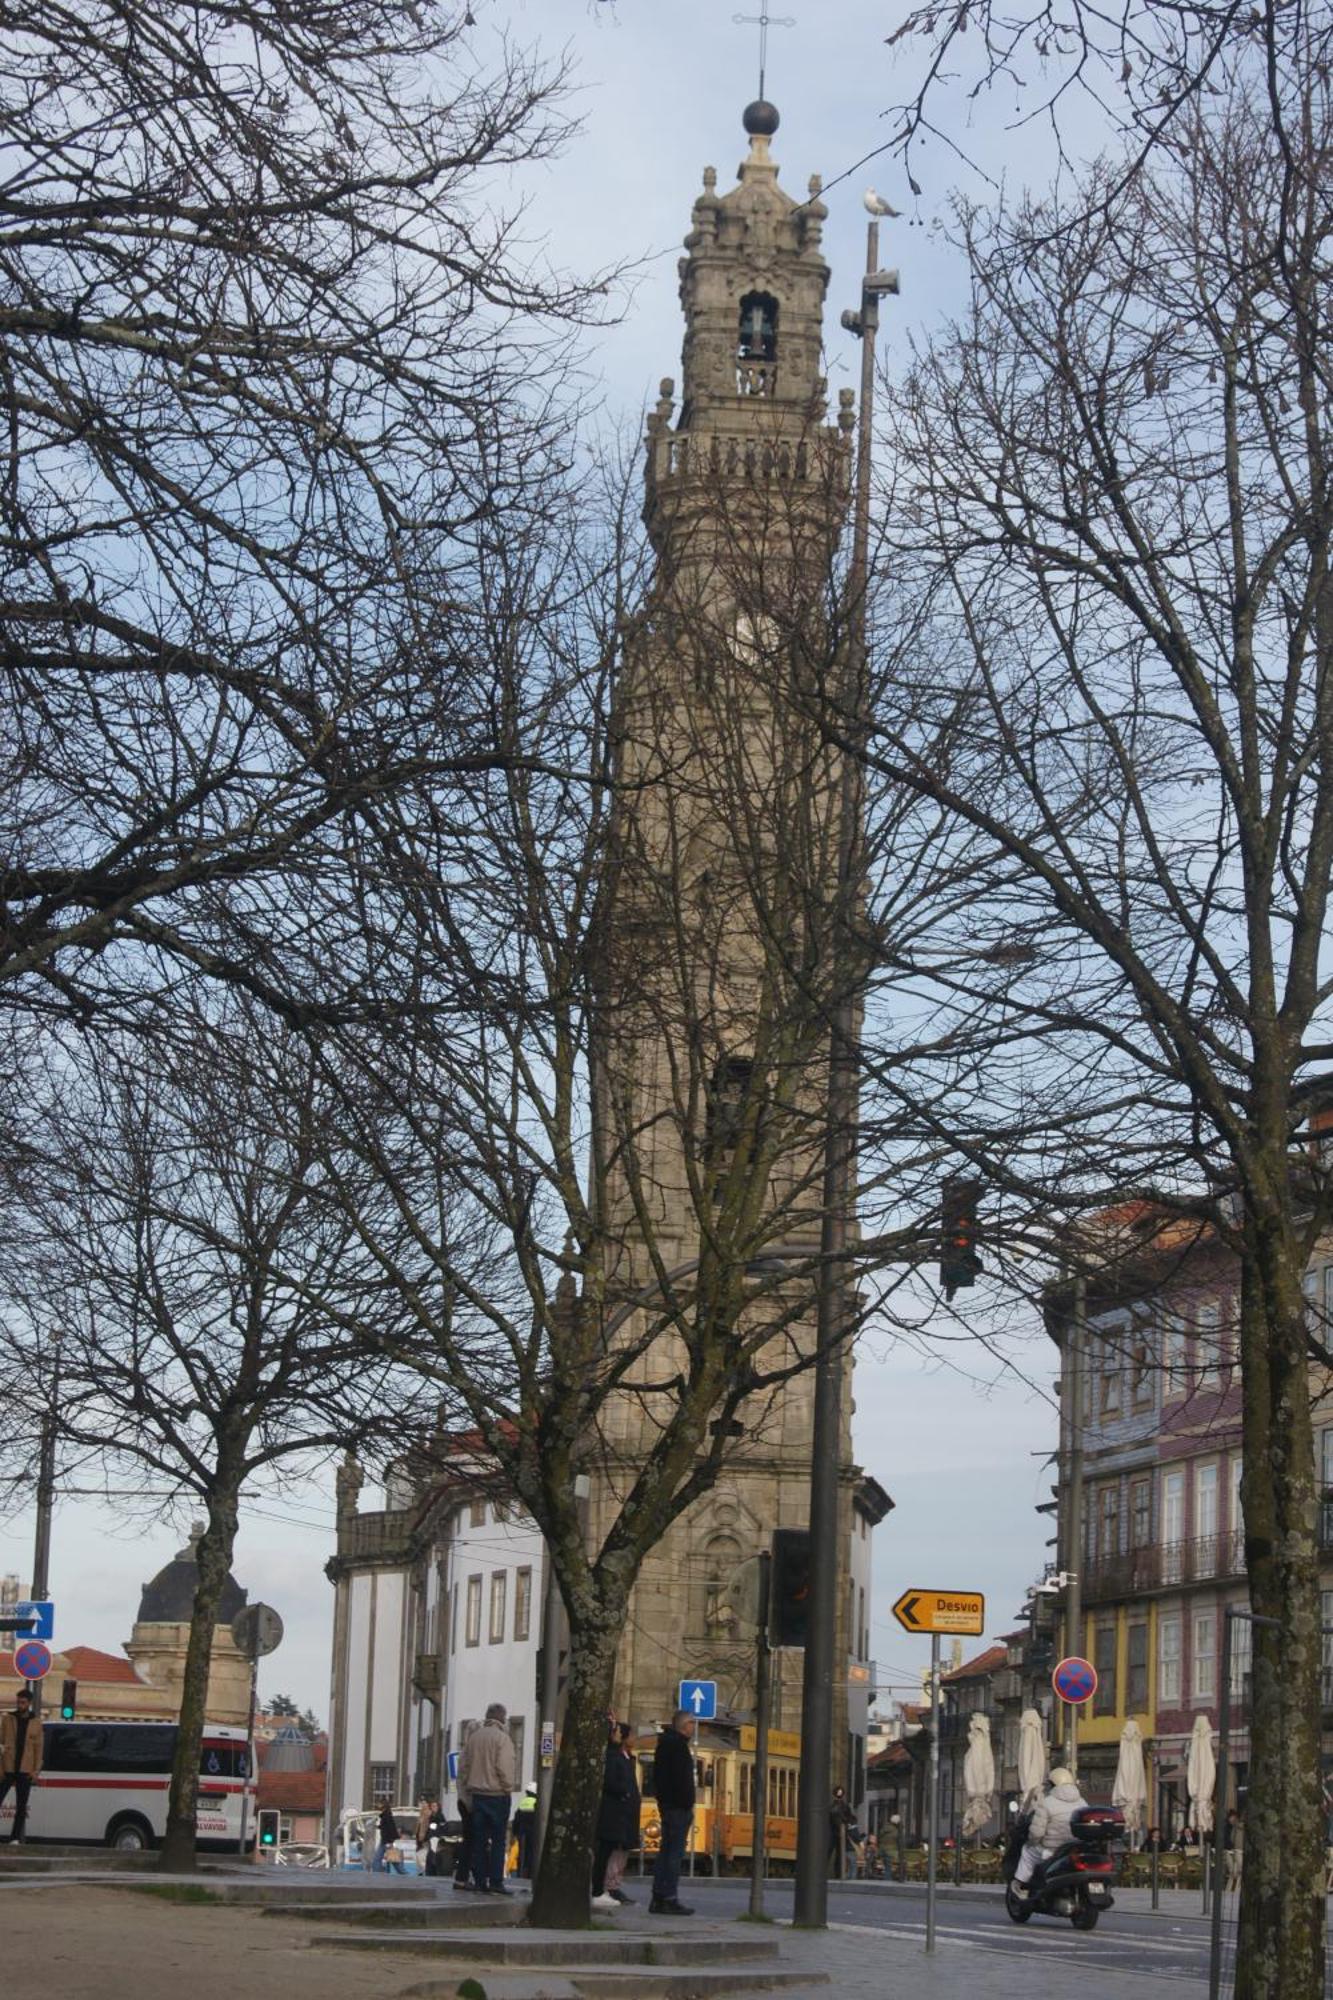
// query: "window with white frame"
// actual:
[[1111, 1376], [522, 1603], [1236, 1516], [1173, 1522], [1203, 1681], [1175, 1352], [499, 1592], [472, 1629], [383, 1783], [1168, 1659], [1205, 1504], [1242, 1655], [1208, 1338]]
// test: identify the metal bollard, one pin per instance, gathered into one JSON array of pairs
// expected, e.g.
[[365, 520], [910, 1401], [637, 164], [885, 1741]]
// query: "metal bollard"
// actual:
[[1156, 1879]]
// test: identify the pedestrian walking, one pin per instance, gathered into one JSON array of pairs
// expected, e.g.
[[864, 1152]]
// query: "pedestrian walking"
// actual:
[[525, 1830], [432, 1831], [673, 1788], [1233, 1849], [617, 1820], [20, 1759], [841, 1828], [388, 1854], [487, 1776]]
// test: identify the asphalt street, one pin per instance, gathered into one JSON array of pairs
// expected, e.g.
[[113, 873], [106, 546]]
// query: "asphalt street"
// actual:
[[1163, 1946]]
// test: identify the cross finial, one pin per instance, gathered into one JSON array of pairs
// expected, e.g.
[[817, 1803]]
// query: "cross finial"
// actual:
[[764, 21]]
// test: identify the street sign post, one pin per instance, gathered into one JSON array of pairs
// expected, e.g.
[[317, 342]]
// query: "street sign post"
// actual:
[[39, 1616], [962, 1612], [1075, 1680], [699, 1699], [32, 1659]]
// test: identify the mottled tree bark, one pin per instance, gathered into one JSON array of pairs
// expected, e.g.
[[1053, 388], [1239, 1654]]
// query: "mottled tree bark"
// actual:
[[561, 1891], [213, 1554], [1280, 1953]]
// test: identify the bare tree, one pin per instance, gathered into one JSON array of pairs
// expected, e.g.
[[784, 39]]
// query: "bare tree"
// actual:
[[1114, 676], [264, 317], [1085, 74], [220, 1329], [599, 1112]]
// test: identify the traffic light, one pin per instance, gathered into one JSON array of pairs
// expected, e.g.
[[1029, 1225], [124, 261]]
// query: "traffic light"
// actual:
[[270, 1826], [790, 1587], [959, 1262], [69, 1700]]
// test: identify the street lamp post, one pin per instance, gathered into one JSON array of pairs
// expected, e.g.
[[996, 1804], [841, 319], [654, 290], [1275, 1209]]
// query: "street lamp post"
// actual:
[[820, 1665]]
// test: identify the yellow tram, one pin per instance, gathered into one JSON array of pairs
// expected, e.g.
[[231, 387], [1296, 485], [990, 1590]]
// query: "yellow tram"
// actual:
[[722, 1836]]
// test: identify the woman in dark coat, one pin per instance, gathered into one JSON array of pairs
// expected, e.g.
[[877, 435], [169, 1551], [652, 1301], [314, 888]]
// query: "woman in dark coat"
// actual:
[[617, 1819]]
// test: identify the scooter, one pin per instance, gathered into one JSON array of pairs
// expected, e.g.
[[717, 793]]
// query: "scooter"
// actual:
[[1075, 1881]]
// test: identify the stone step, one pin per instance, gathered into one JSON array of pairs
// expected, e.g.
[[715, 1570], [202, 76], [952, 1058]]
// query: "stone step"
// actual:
[[455, 1916], [580, 1950], [660, 1983]]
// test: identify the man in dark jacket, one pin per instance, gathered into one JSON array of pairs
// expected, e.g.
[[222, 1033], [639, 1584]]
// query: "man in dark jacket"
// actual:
[[673, 1788]]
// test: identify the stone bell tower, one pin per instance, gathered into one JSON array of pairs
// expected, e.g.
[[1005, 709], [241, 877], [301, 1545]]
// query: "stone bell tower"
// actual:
[[722, 880]]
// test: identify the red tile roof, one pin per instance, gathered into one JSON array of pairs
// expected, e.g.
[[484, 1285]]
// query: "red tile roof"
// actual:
[[292, 1791], [90, 1664], [984, 1663]]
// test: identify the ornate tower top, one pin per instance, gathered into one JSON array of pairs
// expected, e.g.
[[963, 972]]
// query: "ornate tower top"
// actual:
[[752, 286]]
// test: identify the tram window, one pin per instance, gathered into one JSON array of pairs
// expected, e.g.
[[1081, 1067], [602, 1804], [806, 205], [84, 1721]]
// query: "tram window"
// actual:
[[646, 1778], [705, 1776], [747, 1779]]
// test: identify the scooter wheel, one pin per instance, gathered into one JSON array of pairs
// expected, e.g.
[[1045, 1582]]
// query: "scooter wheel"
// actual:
[[1085, 1919], [1018, 1909]]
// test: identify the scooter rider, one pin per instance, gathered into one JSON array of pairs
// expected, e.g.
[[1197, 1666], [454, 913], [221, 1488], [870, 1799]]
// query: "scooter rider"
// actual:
[[1051, 1825]]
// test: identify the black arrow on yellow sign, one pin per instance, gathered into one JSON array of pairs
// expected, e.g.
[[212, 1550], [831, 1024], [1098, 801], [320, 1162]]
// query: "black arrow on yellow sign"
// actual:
[[959, 1611]]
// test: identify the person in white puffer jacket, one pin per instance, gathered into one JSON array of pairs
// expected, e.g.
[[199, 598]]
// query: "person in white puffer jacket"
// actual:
[[1051, 1825]]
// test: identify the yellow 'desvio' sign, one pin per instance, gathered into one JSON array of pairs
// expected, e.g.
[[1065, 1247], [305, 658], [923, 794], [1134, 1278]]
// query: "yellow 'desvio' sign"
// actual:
[[959, 1611], [781, 1742]]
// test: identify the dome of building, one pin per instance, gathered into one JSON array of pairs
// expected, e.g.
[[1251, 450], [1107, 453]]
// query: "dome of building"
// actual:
[[760, 119], [169, 1598], [290, 1750]]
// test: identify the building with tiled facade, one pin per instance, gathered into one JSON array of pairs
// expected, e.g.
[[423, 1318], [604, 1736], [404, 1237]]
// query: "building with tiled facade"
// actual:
[[1160, 1554]]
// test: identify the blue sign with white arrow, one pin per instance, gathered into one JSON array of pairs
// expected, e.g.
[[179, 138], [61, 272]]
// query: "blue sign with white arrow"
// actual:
[[699, 1699], [42, 1612]]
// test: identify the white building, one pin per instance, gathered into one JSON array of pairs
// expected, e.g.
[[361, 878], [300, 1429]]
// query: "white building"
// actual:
[[437, 1613]]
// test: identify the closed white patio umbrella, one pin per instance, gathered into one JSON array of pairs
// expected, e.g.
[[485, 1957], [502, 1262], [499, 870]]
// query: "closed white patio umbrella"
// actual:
[[1131, 1784], [1201, 1774], [1031, 1759], [978, 1775]]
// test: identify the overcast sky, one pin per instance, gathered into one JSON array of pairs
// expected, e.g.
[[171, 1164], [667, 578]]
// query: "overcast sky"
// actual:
[[661, 86]]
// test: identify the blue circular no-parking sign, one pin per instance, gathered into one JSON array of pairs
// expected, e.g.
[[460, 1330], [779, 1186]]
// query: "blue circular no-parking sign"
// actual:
[[32, 1660], [1075, 1680]]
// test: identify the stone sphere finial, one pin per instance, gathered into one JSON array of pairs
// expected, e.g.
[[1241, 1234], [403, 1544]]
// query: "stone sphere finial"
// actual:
[[760, 119]]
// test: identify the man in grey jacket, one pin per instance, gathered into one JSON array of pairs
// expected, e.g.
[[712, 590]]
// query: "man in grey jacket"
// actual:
[[487, 1776], [1051, 1825]]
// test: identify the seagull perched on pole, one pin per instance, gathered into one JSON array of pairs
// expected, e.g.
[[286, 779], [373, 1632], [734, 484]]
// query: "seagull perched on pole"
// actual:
[[875, 204]]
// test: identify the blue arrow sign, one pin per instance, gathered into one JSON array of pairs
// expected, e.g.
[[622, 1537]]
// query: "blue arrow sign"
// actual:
[[43, 1611], [699, 1699]]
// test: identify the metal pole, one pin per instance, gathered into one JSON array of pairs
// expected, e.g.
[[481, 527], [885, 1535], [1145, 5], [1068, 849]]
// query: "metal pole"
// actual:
[[763, 1704], [1074, 1545], [250, 1778], [46, 1497], [550, 1697], [933, 1829], [1220, 1803], [817, 1696]]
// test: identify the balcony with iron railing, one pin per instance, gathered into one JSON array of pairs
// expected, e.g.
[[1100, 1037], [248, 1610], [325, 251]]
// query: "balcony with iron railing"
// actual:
[[1163, 1566]]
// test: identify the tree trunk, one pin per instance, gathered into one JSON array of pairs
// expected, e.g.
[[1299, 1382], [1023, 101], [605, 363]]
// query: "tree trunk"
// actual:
[[1280, 1948], [213, 1554], [560, 1894]]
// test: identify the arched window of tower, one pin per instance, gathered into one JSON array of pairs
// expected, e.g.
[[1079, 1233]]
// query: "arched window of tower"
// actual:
[[757, 347]]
